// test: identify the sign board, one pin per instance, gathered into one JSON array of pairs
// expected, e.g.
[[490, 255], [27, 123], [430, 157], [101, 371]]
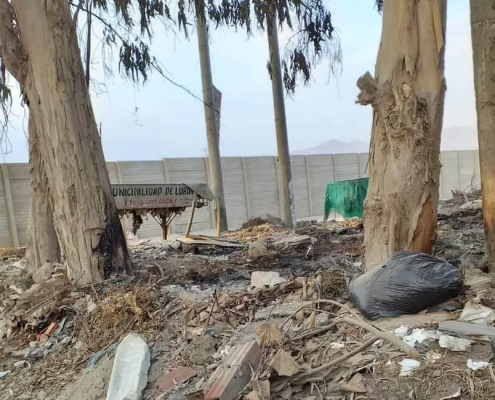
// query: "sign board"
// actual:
[[135, 196], [217, 96]]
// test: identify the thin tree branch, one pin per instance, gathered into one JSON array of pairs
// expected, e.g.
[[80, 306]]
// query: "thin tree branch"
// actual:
[[88, 44], [76, 13], [11, 50]]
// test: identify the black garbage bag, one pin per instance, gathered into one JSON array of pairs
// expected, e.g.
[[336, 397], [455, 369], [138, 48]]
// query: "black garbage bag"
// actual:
[[407, 283]]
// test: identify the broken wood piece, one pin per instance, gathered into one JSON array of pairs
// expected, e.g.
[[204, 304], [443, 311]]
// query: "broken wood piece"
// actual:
[[466, 329], [171, 379], [230, 379], [190, 222]]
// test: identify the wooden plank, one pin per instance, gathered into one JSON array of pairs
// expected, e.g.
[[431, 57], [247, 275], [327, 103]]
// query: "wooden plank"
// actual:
[[465, 329], [10, 205], [246, 188], [230, 379]]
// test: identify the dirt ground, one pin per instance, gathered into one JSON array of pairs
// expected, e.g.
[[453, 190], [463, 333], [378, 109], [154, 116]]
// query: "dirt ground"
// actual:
[[195, 302]]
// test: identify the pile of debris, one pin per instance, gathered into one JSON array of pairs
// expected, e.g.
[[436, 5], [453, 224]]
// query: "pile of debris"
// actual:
[[263, 313]]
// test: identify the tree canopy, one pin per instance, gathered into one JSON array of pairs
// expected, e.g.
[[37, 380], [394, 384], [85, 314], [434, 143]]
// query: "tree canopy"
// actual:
[[127, 25]]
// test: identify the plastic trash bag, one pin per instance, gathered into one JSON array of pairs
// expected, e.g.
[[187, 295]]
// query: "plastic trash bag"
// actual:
[[407, 283]]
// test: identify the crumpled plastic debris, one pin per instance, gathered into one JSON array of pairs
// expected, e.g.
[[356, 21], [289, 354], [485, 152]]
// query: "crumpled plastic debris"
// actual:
[[3, 374], [454, 343], [420, 335], [476, 365], [477, 314], [407, 366], [401, 331]]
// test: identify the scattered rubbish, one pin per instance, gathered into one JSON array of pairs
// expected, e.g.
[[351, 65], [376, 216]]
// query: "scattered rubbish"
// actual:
[[407, 366], [420, 335], [130, 370], [465, 329], [262, 279], [3, 374], [454, 343], [198, 309], [433, 356], [284, 365], [476, 365], [477, 314], [405, 284], [401, 331], [230, 379], [171, 379], [454, 395], [270, 335], [98, 355]]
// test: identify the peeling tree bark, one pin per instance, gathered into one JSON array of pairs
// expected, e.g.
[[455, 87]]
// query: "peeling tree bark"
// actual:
[[47, 63], [42, 242], [483, 38], [407, 95]]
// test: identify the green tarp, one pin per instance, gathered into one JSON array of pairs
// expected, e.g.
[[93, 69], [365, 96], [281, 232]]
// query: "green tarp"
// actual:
[[346, 197]]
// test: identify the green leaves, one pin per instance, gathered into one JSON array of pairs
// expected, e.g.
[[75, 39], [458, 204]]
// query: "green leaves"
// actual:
[[313, 38]]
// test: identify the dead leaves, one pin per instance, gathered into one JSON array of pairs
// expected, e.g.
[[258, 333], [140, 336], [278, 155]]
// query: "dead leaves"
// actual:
[[270, 335], [284, 365], [355, 385]]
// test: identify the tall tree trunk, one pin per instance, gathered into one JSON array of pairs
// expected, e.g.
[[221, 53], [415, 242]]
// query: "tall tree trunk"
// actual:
[[42, 242], [483, 37], [46, 61], [407, 94]]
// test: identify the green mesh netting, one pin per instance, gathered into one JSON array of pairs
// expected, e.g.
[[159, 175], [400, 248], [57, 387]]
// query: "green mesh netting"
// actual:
[[346, 197]]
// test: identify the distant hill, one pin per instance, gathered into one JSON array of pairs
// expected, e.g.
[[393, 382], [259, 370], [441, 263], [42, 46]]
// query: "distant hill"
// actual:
[[337, 146], [453, 138]]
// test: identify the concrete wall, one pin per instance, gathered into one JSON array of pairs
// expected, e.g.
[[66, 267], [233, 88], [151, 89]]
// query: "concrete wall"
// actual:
[[251, 186]]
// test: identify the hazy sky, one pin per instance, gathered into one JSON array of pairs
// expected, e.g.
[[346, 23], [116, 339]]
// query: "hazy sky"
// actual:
[[161, 120]]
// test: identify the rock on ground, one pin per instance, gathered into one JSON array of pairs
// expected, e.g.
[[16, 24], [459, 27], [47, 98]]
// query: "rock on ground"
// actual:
[[257, 250]]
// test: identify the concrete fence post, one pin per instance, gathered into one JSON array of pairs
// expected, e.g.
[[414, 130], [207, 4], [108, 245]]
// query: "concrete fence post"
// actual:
[[246, 188], [308, 183], [10, 205]]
